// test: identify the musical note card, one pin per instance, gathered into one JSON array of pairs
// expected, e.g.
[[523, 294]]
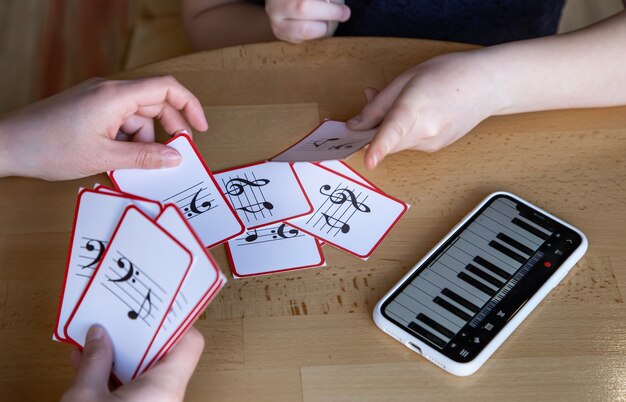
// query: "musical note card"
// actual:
[[331, 140], [264, 193], [192, 187], [151, 208], [203, 281], [132, 290], [96, 216], [271, 249], [348, 215], [343, 168]]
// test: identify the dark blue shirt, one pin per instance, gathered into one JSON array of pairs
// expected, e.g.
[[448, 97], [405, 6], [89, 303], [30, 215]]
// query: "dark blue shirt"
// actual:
[[486, 22]]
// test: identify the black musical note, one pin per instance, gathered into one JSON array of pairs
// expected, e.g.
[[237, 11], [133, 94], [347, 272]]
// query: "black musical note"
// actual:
[[341, 195], [129, 273], [346, 145], [269, 234], [333, 223], [132, 314], [321, 142], [91, 246], [252, 237], [257, 207], [237, 186]]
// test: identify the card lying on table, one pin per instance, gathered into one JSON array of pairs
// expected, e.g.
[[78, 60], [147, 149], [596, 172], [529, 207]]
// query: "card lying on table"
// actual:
[[132, 290], [264, 193], [271, 249], [192, 187], [348, 215], [331, 140]]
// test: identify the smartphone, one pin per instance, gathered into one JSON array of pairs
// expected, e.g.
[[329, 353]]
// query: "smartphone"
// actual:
[[470, 292]]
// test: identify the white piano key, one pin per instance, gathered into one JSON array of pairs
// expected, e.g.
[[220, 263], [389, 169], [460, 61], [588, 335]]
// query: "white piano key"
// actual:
[[457, 286], [437, 313]]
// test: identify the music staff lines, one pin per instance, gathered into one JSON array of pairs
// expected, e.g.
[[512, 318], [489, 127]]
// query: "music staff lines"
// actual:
[[117, 282], [239, 187], [125, 302], [338, 197], [197, 203], [144, 274]]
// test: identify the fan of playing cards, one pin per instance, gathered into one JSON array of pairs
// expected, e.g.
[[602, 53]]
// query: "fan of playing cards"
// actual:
[[138, 263]]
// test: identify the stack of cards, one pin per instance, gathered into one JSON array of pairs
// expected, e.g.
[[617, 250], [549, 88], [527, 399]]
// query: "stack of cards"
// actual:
[[138, 262], [137, 269]]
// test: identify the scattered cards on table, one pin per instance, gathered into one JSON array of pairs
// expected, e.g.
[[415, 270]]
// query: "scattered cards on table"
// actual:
[[138, 263]]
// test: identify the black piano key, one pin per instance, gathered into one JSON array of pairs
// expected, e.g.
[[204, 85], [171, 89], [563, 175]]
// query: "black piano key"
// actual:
[[529, 228], [435, 325], [527, 213], [453, 309], [483, 275], [507, 251], [496, 270], [462, 301], [478, 285], [512, 242], [427, 334]]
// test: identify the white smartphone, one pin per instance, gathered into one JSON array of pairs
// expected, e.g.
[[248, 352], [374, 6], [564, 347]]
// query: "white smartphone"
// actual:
[[470, 292]]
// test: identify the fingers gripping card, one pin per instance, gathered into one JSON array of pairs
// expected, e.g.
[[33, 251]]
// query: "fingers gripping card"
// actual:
[[273, 248], [191, 187], [203, 280], [264, 193], [132, 290], [97, 215], [348, 215], [331, 140]]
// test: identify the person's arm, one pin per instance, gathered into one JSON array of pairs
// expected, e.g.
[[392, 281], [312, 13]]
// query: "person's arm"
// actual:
[[95, 127], [212, 24], [435, 103], [165, 382]]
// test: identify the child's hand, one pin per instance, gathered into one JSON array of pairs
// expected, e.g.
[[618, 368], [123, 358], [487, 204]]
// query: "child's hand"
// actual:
[[429, 106], [296, 21]]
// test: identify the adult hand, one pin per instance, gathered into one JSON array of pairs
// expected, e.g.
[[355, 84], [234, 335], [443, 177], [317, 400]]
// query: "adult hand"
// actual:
[[296, 21], [428, 107], [85, 130], [166, 381]]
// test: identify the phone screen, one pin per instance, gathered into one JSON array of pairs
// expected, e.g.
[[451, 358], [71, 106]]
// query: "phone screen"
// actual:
[[460, 298]]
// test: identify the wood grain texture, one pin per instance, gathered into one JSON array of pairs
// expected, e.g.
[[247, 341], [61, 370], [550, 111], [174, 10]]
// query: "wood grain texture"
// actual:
[[308, 335]]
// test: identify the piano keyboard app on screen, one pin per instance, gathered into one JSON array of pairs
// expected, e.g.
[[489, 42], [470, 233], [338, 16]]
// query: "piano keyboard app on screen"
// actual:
[[481, 281]]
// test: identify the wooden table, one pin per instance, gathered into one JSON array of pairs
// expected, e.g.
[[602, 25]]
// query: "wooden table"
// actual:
[[308, 335]]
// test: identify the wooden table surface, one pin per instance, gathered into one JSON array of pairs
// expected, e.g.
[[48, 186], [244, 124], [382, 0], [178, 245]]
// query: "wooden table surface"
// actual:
[[308, 335]]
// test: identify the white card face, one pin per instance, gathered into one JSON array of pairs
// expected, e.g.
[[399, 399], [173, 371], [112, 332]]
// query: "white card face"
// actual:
[[191, 187], [97, 216], [348, 215], [342, 168], [331, 140], [203, 279], [132, 290], [264, 193], [273, 248], [151, 208]]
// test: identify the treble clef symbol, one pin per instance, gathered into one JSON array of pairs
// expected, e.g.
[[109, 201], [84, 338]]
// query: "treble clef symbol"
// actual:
[[237, 186], [342, 195], [89, 246]]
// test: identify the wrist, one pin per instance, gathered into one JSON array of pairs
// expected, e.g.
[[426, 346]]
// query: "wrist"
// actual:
[[5, 152]]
